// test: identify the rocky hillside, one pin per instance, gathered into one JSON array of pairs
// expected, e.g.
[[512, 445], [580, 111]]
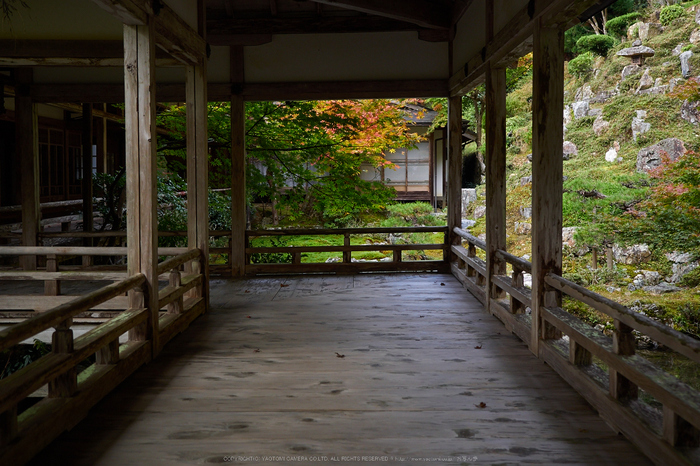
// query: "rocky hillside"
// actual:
[[628, 115]]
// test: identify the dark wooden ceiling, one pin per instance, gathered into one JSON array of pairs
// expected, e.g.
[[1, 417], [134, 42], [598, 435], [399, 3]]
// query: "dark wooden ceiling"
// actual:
[[247, 22]]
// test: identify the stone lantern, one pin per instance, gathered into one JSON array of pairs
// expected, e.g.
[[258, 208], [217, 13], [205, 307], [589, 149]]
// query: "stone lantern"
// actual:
[[638, 53]]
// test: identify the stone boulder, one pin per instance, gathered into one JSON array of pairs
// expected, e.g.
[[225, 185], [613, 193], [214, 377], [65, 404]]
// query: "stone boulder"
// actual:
[[523, 228], [580, 109], [630, 70], [697, 16], [479, 212], [567, 115], [600, 125], [525, 180], [661, 288], [651, 157], [645, 82], [635, 254], [583, 93], [633, 30], [639, 126], [611, 155], [644, 278], [685, 63], [690, 112], [683, 264], [649, 30], [525, 212], [466, 223], [677, 50], [569, 242], [569, 149], [468, 196], [695, 37]]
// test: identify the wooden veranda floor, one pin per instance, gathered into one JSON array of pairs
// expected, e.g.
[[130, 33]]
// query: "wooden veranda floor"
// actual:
[[426, 376]]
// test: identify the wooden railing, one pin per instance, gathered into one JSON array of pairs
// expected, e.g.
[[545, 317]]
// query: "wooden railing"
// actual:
[[670, 435], [19, 307], [25, 430], [346, 265]]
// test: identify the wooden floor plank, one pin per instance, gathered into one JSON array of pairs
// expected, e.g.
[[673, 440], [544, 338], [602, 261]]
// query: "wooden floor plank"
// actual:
[[257, 381]]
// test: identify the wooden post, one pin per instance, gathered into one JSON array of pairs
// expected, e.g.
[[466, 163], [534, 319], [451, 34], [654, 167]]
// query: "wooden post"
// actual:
[[578, 355], [454, 174], [87, 178], [347, 255], [547, 170], [66, 384], [52, 287], [609, 258], [516, 307], [175, 280], [495, 179], [198, 171], [238, 192], [8, 426], [678, 432], [27, 149], [140, 132], [621, 388], [594, 258], [108, 354]]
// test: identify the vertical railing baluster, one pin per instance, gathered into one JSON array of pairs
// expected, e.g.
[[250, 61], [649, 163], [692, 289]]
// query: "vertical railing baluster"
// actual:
[[66, 384]]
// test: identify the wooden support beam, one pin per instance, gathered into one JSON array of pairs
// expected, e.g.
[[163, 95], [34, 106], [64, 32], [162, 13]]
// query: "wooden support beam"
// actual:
[[87, 177], [27, 151], [66, 53], [547, 169], [420, 12], [495, 178], [238, 166], [140, 130], [198, 171], [248, 31], [172, 33], [515, 39], [454, 171]]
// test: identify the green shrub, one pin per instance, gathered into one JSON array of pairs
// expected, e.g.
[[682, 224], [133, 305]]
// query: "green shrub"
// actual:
[[671, 12], [581, 65], [596, 43], [619, 26]]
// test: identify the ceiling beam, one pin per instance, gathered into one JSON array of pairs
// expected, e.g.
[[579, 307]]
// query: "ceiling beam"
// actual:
[[419, 12], [85, 53], [224, 31], [221, 92]]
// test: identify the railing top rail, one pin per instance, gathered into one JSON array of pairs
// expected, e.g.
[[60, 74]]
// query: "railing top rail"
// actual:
[[343, 231], [664, 334], [78, 251], [470, 238], [115, 234], [518, 262], [30, 327], [178, 260]]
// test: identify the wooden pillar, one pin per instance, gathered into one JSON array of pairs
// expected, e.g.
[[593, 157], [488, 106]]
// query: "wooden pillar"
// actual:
[[87, 177], [495, 178], [454, 171], [198, 170], [140, 131], [547, 171], [27, 150], [238, 167]]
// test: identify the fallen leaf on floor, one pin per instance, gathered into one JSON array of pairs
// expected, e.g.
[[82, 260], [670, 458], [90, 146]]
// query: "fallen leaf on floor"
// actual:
[[421, 316], [284, 286], [478, 346], [339, 355], [442, 284], [481, 405], [256, 351], [247, 291], [249, 317], [583, 430]]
